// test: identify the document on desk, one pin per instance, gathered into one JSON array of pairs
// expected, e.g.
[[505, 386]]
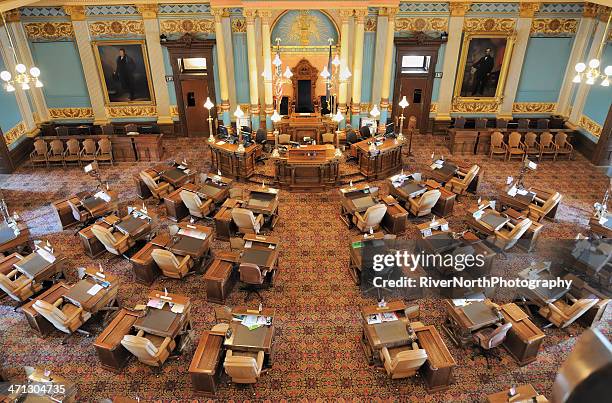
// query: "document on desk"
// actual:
[[46, 255], [389, 317], [271, 246], [512, 191], [103, 195], [181, 167], [192, 233], [478, 214], [248, 244], [374, 319], [444, 227], [156, 303], [178, 308], [220, 143], [252, 322], [95, 289]]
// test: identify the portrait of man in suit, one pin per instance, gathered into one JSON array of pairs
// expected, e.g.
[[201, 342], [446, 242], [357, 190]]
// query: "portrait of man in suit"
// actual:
[[124, 72], [483, 65], [481, 70]]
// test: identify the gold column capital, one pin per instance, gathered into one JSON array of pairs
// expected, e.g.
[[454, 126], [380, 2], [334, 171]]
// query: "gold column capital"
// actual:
[[360, 14], [12, 16], [265, 15], [345, 15], [250, 15], [459, 9], [148, 11], [76, 13], [391, 12], [217, 12], [528, 10]]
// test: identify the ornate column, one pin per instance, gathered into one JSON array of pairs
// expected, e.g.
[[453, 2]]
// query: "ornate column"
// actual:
[[88, 61], [20, 95], [581, 41], [252, 53], [154, 51], [13, 18], [265, 17], [583, 88], [222, 66], [360, 15], [345, 15], [379, 53], [388, 63], [451, 59], [523, 30]]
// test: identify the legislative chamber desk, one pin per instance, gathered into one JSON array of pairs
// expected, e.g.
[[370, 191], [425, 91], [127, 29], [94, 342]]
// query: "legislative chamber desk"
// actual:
[[205, 367], [312, 167], [524, 338], [300, 125], [401, 187], [438, 369], [232, 164], [13, 235], [111, 353], [385, 161]]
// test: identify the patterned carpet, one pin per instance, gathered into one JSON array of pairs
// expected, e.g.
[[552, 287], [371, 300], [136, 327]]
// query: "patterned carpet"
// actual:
[[317, 305]]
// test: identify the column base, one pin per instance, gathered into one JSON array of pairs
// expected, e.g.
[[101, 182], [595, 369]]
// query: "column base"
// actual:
[[100, 122], [443, 117], [504, 116], [164, 120]]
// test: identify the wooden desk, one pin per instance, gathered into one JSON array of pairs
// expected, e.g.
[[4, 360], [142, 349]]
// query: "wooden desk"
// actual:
[[264, 252], [460, 328], [144, 268], [447, 172], [524, 393], [438, 369], [205, 367], [176, 174], [300, 125], [112, 355], [175, 208], [308, 168], [221, 277], [8, 240], [215, 187], [355, 199], [601, 230], [385, 161], [38, 323], [356, 261], [91, 245], [396, 217], [263, 200], [136, 228], [443, 207], [260, 339], [181, 322], [462, 141], [41, 269], [193, 240], [224, 225], [232, 164], [521, 203], [105, 298], [524, 339], [63, 210]]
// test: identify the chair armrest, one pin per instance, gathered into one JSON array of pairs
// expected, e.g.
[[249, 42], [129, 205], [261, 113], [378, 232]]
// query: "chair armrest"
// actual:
[[22, 286], [259, 219], [260, 360], [358, 216], [185, 261], [12, 274], [385, 355], [58, 302], [76, 313], [553, 308], [124, 238], [413, 203], [164, 345]]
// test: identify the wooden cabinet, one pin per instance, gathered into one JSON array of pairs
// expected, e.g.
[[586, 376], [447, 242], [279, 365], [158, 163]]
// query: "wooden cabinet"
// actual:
[[205, 367], [175, 208], [219, 280], [438, 369], [524, 339], [113, 356]]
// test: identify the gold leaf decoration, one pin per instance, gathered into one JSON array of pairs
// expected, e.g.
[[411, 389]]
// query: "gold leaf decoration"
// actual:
[[71, 113], [433, 108], [463, 106], [116, 28], [48, 30], [590, 125], [187, 26], [421, 24], [238, 25], [554, 26], [489, 24], [174, 111], [131, 111], [533, 107], [370, 24], [15, 133]]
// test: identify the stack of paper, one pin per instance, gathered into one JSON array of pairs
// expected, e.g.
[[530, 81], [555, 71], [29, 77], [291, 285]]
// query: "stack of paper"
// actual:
[[389, 317], [177, 308], [46, 255], [94, 290], [374, 319], [156, 303]]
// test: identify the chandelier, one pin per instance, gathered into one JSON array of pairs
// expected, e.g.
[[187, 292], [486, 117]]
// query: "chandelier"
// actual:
[[22, 77], [333, 78], [591, 73], [278, 78]]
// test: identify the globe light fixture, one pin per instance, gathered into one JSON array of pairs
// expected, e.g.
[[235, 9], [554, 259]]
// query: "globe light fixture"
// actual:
[[591, 73]]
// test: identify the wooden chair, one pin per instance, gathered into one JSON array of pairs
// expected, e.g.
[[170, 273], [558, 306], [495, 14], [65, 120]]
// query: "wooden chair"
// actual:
[[73, 151], [523, 124], [515, 146], [403, 361], [532, 147], [105, 151], [563, 146], [498, 146], [56, 153], [88, 152], [40, 153], [547, 146], [328, 138]]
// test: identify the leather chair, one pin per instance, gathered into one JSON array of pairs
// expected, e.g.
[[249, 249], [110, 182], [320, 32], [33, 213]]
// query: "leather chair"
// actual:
[[403, 362], [537, 211], [243, 367], [105, 151], [72, 153], [498, 145], [253, 278], [371, 219], [114, 242], [563, 146], [56, 153], [364, 132], [505, 238], [351, 137], [66, 317], [566, 310], [547, 145], [18, 286], [422, 206], [532, 147], [460, 184], [246, 221], [149, 349], [88, 152], [39, 155], [196, 207], [284, 139], [328, 138], [491, 337], [170, 265], [261, 138], [515, 146], [223, 316], [158, 190]]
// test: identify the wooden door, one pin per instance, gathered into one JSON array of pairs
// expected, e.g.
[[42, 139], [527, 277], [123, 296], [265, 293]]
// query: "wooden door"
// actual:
[[414, 89], [194, 95]]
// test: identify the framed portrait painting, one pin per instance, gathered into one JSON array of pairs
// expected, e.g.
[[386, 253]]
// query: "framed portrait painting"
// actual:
[[483, 66], [124, 71]]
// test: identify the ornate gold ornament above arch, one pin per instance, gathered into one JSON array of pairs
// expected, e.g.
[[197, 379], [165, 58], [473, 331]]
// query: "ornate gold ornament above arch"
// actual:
[[305, 29]]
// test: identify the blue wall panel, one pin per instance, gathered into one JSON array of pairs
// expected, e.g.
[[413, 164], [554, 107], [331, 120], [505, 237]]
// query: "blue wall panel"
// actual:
[[62, 74], [241, 68], [599, 98], [439, 65], [543, 69], [369, 50], [9, 110], [168, 69]]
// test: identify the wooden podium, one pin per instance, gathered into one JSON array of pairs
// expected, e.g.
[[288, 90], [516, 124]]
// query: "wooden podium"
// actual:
[[387, 159], [232, 164], [308, 168]]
